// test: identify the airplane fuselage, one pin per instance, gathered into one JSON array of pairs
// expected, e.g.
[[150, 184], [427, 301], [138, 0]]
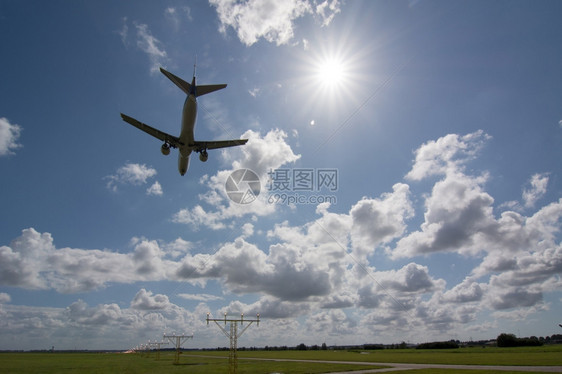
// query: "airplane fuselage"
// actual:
[[189, 115]]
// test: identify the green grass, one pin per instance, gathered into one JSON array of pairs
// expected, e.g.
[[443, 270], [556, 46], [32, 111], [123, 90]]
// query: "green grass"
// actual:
[[521, 356], [109, 363]]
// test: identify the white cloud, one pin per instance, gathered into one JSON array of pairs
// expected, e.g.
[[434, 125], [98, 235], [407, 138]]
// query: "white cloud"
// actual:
[[287, 272], [145, 300], [135, 174], [102, 326], [446, 154], [271, 20], [465, 292], [9, 134], [5, 298], [327, 10], [536, 190], [151, 46], [200, 297], [124, 32], [378, 221], [458, 211], [254, 92], [155, 189], [317, 267], [247, 229], [32, 261], [176, 16]]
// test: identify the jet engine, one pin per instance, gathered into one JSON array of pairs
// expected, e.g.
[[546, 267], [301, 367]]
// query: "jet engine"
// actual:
[[203, 156], [165, 149]]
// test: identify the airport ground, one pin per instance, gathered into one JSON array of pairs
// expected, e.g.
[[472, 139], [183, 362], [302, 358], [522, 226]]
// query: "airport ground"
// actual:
[[463, 360]]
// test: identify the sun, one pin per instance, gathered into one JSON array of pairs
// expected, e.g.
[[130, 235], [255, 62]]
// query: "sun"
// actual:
[[331, 73]]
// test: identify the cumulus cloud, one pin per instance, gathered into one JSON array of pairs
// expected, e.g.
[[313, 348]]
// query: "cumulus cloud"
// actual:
[[244, 268], [377, 221], [155, 189], [445, 155], [458, 212], [9, 134], [135, 174], [32, 261], [318, 267], [102, 326], [271, 20], [4, 298], [465, 292], [145, 300], [519, 254]]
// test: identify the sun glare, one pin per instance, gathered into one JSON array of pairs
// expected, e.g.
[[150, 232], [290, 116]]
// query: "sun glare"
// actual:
[[331, 73]]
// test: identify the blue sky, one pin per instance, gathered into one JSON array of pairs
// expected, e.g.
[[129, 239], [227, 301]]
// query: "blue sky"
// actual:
[[440, 122]]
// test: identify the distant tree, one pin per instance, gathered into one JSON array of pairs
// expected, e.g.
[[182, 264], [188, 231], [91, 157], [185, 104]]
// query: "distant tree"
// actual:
[[509, 340], [373, 346], [439, 345], [301, 347], [506, 340], [324, 347]]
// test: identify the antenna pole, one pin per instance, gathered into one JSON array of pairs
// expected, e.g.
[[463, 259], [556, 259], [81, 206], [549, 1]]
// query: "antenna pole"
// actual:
[[157, 345], [233, 336], [177, 340], [194, 65]]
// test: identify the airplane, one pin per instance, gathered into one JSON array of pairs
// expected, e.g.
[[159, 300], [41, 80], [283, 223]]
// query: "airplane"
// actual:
[[186, 142]]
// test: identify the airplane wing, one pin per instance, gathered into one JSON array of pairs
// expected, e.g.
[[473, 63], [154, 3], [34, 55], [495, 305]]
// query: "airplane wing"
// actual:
[[173, 141], [199, 145]]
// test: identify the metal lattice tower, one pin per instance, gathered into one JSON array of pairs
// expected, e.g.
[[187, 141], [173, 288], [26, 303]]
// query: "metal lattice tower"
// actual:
[[233, 336], [177, 340]]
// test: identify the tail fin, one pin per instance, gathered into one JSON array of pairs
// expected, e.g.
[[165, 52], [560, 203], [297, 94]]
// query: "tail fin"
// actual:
[[190, 88]]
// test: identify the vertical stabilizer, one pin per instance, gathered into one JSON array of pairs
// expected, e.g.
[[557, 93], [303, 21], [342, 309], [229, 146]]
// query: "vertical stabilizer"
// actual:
[[192, 89]]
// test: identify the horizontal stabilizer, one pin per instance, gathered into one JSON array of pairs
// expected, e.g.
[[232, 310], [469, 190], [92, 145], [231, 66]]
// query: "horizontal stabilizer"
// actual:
[[183, 85], [188, 89], [205, 89]]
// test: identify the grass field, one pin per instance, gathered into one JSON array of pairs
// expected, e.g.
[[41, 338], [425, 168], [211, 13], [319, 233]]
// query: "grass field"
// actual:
[[215, 362], [115, 363], [550, 355]]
